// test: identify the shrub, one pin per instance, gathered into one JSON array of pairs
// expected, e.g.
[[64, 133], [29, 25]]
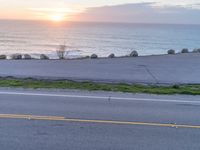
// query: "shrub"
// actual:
[[185, 50], [134, 54], [94, 56], [16, 56], [27, 56], [43, 56], [196, 50], [3, 56], [61, 52], [171, 52], [111, 56]]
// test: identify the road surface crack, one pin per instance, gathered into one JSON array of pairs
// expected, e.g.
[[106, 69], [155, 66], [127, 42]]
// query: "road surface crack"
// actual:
[[150, 73]]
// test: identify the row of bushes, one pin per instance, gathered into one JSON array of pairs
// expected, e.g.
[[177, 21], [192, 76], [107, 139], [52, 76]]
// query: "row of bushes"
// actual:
[[93, 56], [185, 50], [132, 54], [24, 56], [45, 57]]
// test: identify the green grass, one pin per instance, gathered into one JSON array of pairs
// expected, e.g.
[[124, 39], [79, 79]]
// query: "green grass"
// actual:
[[36, 84]]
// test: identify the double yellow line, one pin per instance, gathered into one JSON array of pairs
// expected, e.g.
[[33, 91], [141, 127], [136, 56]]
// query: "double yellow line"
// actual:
[[57, 118]]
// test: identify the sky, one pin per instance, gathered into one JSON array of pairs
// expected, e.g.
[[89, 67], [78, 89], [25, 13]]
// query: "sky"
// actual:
[[147, 11]]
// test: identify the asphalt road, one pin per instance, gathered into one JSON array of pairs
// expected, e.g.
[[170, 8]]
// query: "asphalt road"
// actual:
[[165, 69], [79, 120]]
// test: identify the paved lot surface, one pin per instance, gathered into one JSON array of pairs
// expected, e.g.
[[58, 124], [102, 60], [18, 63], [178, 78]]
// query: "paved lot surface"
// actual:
[[126, 121], [166, 69]]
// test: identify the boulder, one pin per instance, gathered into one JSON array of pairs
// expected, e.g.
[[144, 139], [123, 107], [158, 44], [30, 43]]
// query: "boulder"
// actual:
[[134, 54], [185, 50], [16, 56], [171, 52], [3, 57], [43, 57], [111, 56], [27, 56], [94, 56]]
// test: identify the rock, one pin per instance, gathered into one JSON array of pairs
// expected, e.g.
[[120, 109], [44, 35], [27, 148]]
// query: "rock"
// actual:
[[16, 56], [171, 52], [3, 57], [27, 56], [94, 56], [196, 50], [185, 50], [111, 56], [43, 56], [134, 54]]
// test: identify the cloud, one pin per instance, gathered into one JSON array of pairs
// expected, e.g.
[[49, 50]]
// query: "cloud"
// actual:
[[49, 13], [53, 10], [142, 13]]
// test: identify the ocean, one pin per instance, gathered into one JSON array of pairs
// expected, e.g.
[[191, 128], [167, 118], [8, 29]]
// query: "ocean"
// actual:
[[82, 39]]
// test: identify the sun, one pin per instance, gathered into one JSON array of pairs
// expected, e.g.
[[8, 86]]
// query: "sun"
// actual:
[[57, 18]]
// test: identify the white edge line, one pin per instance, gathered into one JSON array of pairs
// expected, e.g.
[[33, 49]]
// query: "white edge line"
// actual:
[[99, 97]]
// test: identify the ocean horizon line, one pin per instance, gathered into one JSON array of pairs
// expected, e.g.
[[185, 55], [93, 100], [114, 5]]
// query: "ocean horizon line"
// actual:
[[101, 22]]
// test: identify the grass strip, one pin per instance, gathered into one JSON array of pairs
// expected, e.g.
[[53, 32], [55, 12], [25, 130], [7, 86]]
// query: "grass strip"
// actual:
[[38, 84]]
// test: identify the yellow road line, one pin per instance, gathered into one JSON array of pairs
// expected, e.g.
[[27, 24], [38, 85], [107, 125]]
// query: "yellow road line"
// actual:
[[57, 118], [16, 116]]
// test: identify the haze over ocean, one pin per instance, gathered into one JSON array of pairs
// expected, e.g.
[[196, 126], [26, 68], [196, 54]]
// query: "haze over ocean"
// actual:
[[36, 37]]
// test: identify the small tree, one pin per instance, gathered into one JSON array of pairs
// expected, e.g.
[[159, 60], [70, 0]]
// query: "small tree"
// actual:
[[61, 51]]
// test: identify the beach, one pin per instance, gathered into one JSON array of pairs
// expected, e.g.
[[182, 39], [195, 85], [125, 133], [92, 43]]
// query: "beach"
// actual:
[[156, 70]]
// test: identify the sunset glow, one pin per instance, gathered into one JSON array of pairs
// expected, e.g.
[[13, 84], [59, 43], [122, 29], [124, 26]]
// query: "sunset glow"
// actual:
[[57, 18], [52, 14], [92, 11]]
